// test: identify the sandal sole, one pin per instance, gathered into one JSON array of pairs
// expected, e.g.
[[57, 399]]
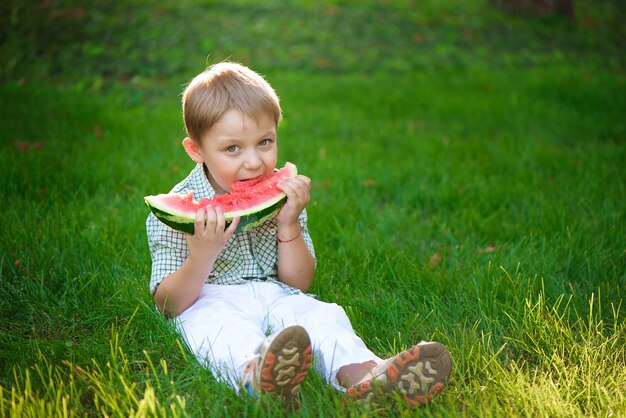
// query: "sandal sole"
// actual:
[[286, 362], [418, 374]]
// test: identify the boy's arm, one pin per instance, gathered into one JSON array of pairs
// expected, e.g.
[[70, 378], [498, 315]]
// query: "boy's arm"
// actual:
[[296, 265], [179, 290]]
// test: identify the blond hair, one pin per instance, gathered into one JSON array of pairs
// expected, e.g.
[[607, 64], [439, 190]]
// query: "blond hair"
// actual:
[[222, 87]]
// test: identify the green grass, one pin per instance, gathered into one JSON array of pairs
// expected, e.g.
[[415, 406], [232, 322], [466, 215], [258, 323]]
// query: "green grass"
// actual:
[[468, 187]]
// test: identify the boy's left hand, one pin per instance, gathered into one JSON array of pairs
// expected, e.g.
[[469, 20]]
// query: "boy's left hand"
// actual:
[[298, 191]]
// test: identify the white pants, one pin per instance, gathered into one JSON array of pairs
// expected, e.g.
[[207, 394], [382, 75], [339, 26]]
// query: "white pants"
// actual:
[[227, 323]]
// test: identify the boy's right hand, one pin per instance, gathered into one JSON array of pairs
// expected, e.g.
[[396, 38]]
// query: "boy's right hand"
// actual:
[[210, 234]]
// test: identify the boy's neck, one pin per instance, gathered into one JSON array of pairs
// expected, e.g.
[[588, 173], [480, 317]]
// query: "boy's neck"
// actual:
[[207, 174]]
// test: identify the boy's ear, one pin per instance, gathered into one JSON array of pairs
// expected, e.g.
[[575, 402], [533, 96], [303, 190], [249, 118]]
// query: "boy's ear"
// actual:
[[193, 150]]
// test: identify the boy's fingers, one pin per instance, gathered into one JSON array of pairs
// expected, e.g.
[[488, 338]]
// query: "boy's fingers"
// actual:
[[296, 187], [220, 223], [301, 182], [200, 219], [297, 195], [233, 226], [289, 188], [211, 218], [305, 186]]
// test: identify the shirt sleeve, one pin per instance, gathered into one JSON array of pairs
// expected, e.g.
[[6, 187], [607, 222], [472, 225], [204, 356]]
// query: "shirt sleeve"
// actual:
[[305, 234], [168, 249]]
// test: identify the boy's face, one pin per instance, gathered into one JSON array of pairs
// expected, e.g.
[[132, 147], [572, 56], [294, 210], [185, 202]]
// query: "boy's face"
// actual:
[[236, 148]]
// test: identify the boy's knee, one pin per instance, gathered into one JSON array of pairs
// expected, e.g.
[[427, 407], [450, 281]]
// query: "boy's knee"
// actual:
[[329, 313]]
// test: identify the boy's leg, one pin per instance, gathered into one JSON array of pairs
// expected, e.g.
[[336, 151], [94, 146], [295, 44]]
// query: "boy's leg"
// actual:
[[417, 373], [335, 344], [223, 329]]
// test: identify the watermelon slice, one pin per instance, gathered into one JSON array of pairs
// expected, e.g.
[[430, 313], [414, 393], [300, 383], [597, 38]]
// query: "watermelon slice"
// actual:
[[254, 201]]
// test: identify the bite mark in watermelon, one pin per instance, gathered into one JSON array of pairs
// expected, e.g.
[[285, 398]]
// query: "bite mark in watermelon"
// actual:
[[254, 201]]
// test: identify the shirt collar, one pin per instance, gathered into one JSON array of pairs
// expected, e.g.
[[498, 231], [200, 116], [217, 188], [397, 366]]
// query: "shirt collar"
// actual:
[[200, 184]]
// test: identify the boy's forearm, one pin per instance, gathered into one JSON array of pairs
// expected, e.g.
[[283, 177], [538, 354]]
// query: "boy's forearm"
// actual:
[[296, 266], [179, 290]]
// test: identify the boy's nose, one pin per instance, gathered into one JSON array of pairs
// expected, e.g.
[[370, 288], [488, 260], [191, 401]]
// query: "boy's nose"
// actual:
[[252, 161]]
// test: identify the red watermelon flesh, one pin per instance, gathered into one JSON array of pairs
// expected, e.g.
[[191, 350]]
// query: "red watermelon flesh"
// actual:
[[254, 200]]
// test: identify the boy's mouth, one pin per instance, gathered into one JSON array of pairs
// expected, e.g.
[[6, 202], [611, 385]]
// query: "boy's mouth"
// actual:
[[252, 180], [244, 184]]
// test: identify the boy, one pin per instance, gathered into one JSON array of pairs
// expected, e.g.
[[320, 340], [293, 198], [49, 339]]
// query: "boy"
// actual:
[[226, 289]]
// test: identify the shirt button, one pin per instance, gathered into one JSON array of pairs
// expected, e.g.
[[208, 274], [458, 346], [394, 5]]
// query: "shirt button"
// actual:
[[272, 231]]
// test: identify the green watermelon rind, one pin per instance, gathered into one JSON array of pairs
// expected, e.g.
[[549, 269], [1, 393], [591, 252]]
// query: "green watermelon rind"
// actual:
[[249, 218]]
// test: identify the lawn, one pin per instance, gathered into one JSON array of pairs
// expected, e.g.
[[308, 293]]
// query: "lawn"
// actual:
[[468, 187]]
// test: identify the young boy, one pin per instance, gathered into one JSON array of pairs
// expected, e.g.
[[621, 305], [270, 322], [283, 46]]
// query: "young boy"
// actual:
[[225, 289]]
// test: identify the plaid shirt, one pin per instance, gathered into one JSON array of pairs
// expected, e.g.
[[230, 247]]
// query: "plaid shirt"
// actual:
[[251, 255]]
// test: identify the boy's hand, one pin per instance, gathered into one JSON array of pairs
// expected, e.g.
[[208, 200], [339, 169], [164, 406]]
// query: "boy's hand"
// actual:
[[209, 235], [298, 191]]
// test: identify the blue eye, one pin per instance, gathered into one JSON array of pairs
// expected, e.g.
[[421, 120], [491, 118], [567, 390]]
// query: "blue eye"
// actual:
[[232, 148], [264, 142]]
